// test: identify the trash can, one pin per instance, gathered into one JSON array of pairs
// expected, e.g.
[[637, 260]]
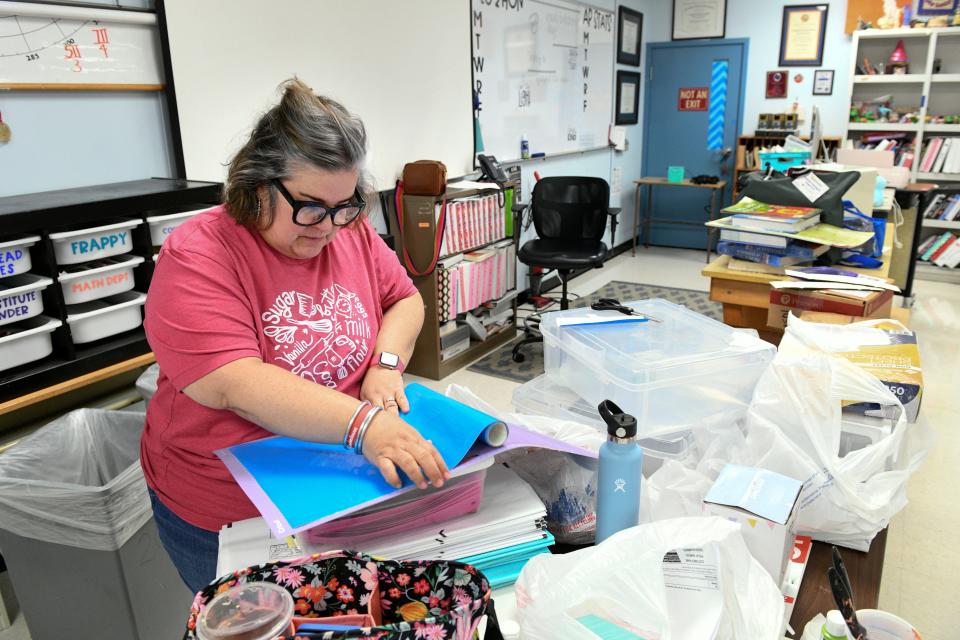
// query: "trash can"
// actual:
[[78, 537]]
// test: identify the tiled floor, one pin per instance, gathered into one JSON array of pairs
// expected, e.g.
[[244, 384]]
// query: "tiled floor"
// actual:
[[922, 558]]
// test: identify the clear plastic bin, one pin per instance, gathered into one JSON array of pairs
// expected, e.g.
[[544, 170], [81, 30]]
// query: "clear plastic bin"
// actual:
[[544, 397], [669, 374]]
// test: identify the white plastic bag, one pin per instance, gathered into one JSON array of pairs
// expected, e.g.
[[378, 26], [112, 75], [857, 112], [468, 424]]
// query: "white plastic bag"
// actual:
[[622, 581], [77, 481], [794, 427], [147, 382]]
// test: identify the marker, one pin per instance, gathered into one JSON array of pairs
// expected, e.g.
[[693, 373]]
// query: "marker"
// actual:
[[538, 155]]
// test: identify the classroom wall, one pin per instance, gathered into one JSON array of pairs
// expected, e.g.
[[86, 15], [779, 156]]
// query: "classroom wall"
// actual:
[[760, 22]]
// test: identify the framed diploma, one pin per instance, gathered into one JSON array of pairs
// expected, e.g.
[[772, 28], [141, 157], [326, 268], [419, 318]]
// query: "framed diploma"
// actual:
[[802, 35], [699, 19], [629, 28], [628, 97]]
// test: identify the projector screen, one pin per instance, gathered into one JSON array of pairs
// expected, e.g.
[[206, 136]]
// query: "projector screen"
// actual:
[[403, 67]]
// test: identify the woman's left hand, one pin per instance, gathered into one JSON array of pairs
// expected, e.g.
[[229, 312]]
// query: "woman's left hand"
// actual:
[[384, 388]]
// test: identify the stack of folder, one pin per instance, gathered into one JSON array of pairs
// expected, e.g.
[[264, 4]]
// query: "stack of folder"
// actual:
[[767, 238], [503, 532]]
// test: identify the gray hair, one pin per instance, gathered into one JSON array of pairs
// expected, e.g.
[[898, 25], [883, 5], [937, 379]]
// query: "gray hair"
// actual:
[[304, 129]]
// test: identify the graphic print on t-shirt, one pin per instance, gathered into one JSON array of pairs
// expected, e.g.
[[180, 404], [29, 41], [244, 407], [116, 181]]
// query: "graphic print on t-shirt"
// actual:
[[323, 341]]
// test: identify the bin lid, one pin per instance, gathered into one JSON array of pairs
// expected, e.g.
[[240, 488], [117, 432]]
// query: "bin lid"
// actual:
[[252, 611], [627, 351]]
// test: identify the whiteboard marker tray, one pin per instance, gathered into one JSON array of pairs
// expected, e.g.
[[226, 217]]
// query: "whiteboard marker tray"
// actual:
[[105, 317]]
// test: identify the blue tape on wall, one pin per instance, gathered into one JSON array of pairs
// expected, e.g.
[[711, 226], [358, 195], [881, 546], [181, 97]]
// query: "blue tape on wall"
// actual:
[[718, 105]]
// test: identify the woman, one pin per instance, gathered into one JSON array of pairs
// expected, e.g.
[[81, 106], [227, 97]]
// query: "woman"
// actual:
[[277, 312]]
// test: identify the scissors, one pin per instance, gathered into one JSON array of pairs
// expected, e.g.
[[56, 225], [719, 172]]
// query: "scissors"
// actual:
[[611, 304]]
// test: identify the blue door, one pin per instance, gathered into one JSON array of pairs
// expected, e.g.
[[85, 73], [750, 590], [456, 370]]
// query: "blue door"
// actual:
[[693, 108]]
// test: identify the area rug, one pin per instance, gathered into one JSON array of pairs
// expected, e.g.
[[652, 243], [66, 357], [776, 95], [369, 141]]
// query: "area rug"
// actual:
[[500, 364]]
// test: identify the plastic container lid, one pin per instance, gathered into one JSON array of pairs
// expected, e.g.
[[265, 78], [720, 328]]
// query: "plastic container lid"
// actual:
[[835, 625], [253, 611]]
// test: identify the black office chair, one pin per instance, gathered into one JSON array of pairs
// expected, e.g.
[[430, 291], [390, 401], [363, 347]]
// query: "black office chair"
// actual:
[[570, 214]]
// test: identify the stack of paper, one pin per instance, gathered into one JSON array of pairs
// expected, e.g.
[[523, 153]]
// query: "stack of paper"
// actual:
[[510, 513]]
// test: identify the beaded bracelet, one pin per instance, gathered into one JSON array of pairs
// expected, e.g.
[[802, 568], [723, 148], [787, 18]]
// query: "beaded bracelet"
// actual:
[[363, 428], [353, 426]]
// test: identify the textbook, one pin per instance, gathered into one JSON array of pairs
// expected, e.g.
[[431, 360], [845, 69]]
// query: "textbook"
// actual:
[[821, 233], [296, 485], [752, 214], [794, 253]]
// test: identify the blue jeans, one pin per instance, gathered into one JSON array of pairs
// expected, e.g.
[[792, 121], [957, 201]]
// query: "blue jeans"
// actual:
[[192, 549]]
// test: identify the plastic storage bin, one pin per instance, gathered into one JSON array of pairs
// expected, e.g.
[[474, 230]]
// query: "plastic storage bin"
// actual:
[[98, 319], [74, 511], [26, 341], [783, 160], [544, 397], [15, 256], [83, 245], [668, 374], [98, 279], [162, 226], [20, 297]]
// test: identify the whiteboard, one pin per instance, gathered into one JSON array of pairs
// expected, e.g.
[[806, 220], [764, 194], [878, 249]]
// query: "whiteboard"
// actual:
[[403, 67], [51, 47], [543, 69]]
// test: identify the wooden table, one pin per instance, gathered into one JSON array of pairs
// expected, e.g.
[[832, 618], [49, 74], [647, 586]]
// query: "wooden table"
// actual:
[[650, 183], [865, 570], [746, 295]]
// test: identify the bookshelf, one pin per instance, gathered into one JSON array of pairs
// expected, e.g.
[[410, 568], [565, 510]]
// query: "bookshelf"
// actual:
[[930, 227], [747, 144], [930, 88], [419, 236]]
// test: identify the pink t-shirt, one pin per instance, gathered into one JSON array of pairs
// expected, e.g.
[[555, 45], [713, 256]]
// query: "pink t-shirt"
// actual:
[[220, 293]]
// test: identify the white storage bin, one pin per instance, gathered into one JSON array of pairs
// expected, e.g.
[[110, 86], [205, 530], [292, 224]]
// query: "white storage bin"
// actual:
[[162, 226], [83, 245], [26, 341], [105, 317], [668, 374], [15, 256], [98, 279], [20, 297], [544, 397]]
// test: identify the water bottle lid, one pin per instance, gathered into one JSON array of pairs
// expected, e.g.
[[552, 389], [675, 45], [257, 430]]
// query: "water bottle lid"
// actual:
[[835, 625], [619, 424]]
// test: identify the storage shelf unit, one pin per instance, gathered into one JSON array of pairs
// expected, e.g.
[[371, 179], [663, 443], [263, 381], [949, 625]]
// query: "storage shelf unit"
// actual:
[[938, 274], [941, 224], [933, 227], [923, 47], [426, 360], [45, 213]]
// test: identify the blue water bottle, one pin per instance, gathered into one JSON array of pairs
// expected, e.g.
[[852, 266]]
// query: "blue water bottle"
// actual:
[[620, 471]]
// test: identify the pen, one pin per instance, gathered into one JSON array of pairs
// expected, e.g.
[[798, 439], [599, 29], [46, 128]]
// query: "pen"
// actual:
[[844, 601]]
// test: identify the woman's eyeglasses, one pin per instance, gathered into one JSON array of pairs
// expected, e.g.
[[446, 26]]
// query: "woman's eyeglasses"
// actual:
[[307, 213]]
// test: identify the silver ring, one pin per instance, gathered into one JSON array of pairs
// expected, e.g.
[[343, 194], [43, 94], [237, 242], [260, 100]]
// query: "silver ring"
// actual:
[[390, 400]]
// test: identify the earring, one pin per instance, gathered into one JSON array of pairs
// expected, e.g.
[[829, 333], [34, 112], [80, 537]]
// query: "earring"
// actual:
[[259, 208]]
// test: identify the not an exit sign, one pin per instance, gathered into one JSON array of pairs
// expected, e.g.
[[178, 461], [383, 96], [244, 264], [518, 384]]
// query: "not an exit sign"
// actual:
[[693, 98]]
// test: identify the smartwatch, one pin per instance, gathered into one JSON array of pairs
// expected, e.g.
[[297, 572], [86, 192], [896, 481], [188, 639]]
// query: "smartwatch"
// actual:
[[391, 361]]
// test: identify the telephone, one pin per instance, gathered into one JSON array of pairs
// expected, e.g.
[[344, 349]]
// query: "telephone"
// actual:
[[491, 169]]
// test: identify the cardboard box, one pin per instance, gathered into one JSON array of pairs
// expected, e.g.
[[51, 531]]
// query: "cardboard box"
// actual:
[[877, 304], [765, 505]]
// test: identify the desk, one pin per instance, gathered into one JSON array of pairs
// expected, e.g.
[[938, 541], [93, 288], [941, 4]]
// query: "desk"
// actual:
[[746, 295], [650, 183]]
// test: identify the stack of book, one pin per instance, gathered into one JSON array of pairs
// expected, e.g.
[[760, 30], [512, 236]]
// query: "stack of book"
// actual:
[[942, 250], [902, 145], [943, 207], [941, 155], [748, 241]]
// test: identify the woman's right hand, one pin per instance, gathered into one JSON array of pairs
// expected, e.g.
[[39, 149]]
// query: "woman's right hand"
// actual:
[[390, 443]]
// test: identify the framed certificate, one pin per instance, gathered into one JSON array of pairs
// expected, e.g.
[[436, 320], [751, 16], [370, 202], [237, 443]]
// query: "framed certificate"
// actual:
[[823, 82], [936, 7], [629, 30], [802, 35], [628, 97], [694, 19]]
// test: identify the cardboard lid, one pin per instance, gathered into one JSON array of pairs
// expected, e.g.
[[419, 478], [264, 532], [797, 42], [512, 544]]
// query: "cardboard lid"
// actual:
[[763, 493]]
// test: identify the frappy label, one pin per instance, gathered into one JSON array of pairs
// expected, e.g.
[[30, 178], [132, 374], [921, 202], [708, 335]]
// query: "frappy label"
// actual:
[[109, 241]]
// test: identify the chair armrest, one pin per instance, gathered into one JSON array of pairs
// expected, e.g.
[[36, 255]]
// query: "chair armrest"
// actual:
[[613, 212]]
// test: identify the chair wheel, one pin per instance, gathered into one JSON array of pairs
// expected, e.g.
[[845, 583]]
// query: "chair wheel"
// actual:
[[519, 357]]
